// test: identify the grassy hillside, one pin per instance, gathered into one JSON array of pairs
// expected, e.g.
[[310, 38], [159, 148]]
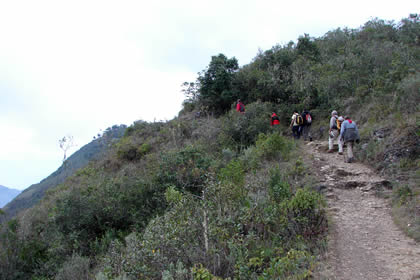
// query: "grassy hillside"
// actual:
[[93, 150], [215, 194]]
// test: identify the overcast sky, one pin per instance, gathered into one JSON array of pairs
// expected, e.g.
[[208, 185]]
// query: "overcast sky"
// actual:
[[78, 67]]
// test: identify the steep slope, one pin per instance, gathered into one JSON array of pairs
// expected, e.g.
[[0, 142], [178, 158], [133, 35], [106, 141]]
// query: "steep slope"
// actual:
[[77, 160], [6, 195], [230, 196], [364, 241]]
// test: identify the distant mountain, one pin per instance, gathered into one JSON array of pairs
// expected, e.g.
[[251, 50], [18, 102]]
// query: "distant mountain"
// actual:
[[91, 151], [6, 195]]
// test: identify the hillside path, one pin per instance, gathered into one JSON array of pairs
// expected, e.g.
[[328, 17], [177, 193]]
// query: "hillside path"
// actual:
[[364, 243]]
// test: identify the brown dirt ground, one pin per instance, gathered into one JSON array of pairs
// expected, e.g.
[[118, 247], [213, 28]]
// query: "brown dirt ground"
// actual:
[[364, 242]]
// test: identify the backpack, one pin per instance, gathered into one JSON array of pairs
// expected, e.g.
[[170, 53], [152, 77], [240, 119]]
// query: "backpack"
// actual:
[[308, 118], [338, 124], [275, 118], [299, 120]]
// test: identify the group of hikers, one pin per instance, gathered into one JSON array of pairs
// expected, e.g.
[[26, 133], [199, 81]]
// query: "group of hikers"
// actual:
[[345, 131], [301, 125], [342, 129]]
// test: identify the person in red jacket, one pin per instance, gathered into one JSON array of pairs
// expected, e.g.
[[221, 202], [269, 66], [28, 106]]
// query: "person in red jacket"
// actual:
[[274, 119], [240, 107]]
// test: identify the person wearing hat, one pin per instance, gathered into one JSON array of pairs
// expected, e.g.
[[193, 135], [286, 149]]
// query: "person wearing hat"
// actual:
[[334, 134], [349, 134]]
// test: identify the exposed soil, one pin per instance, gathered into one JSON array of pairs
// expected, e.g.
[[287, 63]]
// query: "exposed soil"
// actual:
[[364, 243]]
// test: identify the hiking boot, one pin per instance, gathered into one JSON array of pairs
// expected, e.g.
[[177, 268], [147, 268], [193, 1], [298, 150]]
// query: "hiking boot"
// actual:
[[340, 153], [349, 160], [330, 151]]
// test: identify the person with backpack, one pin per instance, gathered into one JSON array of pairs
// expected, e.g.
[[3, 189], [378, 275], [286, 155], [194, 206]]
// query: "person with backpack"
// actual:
[[334, 133], [349, 134], [296, 124], [306, 127], [240, 107], [274, 119]]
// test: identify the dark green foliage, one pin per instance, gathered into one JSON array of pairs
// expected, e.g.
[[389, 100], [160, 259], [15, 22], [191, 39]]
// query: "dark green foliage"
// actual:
[[76, 267], [19, 258], [319, 72], [242, 130], [115, 205], [279, 189], [402, 195], [216, 84], [273, 145], [127, 150], [233, 172], [307, 48], [187, 169], [306, 214]]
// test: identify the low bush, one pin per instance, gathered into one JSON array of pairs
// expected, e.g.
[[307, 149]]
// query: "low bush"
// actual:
[[295, 265], [306, 214], [241, 130], [76, 267], [279, 189], [271, 146], [187, 169]]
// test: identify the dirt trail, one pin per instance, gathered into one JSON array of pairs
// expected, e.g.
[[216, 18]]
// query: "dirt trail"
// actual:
[[364, 242]]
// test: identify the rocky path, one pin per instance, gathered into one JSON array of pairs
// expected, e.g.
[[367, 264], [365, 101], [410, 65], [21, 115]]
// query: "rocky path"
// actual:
[[364, 242]]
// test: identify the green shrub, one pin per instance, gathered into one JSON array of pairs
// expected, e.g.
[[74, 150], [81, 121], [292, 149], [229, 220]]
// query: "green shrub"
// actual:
[[187, 107], [242, 130], [270, 146], [306, 214], [250, 158], [402, 195], [228, 154], [233, 172], [202, 273], [279, 189], [178, 272], [76, 267], [294, 265], [187, 169], [114, 206], [126, 149], [172, 195]]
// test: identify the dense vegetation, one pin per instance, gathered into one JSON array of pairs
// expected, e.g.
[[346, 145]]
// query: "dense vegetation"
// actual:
[[215, 194]]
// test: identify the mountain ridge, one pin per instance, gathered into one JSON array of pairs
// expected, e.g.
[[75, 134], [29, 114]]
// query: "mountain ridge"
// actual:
[[31, 195], [7, 194]]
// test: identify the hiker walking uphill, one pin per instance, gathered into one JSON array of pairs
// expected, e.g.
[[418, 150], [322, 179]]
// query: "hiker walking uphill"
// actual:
[[306, 127], [349, 134], [274, 119], [295, 124], [334, 133], [240, 107]]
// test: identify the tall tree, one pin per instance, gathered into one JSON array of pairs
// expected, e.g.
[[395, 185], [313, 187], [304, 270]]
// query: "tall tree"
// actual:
[[216, 90]]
